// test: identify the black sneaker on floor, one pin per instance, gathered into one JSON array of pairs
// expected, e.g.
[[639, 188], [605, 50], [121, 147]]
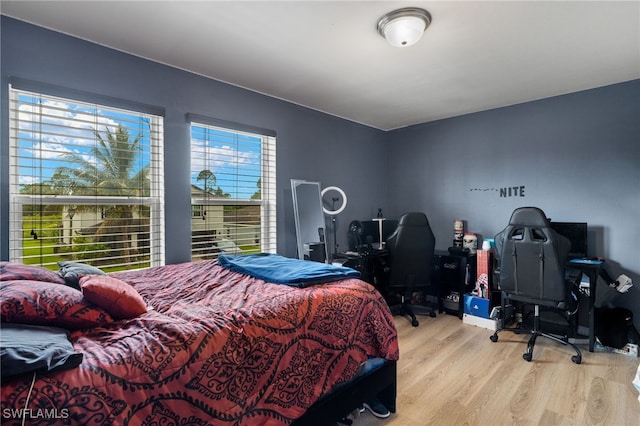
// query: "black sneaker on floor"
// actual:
[[377, 408]]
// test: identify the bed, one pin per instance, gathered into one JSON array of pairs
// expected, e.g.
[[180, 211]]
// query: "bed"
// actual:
[[213, 345]]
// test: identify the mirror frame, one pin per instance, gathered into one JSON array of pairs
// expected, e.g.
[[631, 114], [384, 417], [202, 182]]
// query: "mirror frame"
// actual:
[[309, 217]]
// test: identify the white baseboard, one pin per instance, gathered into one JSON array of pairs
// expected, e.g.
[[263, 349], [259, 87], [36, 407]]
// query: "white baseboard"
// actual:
[[489, 324]]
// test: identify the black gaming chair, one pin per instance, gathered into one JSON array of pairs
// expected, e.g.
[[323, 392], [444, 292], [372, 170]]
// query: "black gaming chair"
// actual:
[[410, 261], [532, 271]]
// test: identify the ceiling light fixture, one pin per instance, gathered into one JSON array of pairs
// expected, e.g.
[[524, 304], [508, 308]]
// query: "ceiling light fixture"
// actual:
[[404, 27]]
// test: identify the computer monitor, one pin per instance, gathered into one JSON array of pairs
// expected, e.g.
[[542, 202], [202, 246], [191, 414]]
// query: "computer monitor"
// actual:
[[388, 227], [576, 232], [370, 232], [365, 233]]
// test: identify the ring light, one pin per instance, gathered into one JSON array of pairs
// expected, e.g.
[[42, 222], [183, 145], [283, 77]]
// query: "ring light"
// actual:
[[344, 200]]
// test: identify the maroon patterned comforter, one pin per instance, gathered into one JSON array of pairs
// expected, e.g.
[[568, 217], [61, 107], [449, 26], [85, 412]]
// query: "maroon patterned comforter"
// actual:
[[218, 348]]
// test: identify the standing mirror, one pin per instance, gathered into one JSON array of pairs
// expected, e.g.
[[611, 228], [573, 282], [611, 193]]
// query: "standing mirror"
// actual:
[[309, 217]]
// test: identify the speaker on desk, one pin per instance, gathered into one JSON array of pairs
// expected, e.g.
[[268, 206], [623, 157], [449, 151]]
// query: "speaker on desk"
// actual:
[[354, 236]]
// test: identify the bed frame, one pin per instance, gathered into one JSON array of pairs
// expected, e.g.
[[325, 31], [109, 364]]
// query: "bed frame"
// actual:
[[380, 383]]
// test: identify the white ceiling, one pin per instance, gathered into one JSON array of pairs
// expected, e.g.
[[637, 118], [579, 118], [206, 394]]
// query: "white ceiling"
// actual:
[[327, 55]]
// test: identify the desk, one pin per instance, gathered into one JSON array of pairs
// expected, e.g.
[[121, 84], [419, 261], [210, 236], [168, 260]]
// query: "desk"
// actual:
[[592, 269], [370, 265]]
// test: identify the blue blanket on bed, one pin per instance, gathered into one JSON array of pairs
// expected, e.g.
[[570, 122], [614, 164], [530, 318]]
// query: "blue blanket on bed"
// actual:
[[278, 269]]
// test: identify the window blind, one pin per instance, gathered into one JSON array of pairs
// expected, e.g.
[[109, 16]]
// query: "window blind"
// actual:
[[232, 192], [86, 183]]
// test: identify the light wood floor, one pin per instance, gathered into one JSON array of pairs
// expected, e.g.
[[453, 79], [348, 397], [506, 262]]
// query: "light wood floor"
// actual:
[[450, 374]]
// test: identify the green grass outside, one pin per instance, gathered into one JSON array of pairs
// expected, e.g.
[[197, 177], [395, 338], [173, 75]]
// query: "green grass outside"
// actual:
[[41, 251]]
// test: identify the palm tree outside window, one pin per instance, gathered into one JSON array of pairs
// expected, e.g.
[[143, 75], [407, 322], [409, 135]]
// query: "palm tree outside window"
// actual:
[[87, 180]]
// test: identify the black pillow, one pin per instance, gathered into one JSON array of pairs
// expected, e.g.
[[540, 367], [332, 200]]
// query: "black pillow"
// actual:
[[73, 271], [25, 348]]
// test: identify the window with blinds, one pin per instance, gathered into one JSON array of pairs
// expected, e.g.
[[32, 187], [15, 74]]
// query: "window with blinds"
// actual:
[[232, 192], [85, 183]]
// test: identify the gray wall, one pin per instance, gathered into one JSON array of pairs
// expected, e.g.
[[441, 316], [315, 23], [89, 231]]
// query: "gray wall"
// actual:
[[577, 156], [310, 145]]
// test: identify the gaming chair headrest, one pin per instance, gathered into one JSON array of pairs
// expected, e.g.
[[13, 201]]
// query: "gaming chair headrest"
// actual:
[[413, 219], [532, 216]]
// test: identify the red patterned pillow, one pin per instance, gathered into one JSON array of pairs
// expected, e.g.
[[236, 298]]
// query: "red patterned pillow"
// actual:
[[42, 303], [114, 296], [10, 271]]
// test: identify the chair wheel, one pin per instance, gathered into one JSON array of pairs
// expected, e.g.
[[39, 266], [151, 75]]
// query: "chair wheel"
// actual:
[[494, 337], [527, 356], [432, 314], [415, 323], [576, 359]]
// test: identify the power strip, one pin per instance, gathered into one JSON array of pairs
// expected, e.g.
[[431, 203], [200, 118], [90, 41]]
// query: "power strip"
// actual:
[[624, 283]]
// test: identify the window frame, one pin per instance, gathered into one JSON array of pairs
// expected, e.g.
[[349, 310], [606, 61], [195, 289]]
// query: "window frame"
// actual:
[[17, 200], [267, 203]]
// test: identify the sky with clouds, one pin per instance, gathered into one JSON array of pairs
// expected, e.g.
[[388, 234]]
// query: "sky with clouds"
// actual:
[[50, 127]]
